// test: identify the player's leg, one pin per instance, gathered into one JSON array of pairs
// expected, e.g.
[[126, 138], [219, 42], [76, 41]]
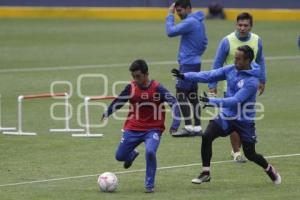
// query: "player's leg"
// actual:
[[236, 147], [183, 89], [126, 150], [248, 138], [184, 105], [152, 140], [234, 136], [196, 107], [250, 153], [194, 100], [212, 131]]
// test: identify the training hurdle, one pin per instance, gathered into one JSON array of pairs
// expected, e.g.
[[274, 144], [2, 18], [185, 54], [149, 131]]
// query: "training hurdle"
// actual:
[[4, 128], [42, 96], [87, 125]]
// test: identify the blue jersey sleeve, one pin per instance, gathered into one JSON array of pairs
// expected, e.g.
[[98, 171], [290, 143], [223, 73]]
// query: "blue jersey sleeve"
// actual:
[[206, 76], [166, 96], [241, 96], [181, 28], [260, 59], [220, 58], [119, 102]]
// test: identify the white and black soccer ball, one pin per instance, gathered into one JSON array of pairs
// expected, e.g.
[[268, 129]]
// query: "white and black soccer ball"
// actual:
[[107, 182]]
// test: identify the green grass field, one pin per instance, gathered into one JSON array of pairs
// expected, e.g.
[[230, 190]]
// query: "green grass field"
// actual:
[[34, 53]]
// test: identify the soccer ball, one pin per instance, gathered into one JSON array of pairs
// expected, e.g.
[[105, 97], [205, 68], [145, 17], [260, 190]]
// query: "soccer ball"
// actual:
[[107, 182]]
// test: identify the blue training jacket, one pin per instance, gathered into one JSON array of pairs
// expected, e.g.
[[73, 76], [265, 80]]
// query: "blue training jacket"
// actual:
[[239, 103], [193, 41]]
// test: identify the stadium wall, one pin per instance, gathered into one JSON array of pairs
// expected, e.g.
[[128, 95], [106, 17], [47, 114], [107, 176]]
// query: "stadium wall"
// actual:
[[288, 10], [279, 4]]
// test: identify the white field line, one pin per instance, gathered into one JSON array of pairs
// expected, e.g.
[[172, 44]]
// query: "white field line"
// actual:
[[155, 63], [135, 171]]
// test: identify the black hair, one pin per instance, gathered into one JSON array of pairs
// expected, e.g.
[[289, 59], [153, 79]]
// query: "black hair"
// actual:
[[245, 16], [139, 65], [248, 52], [183, 3]]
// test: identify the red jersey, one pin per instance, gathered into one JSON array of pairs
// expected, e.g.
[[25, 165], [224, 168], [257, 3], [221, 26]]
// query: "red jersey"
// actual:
[[146, 110]]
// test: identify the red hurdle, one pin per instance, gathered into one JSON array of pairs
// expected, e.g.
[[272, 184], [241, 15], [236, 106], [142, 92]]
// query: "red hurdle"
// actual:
[[41, 96]]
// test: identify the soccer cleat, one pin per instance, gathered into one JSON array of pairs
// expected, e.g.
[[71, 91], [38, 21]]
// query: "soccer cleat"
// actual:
[[274, 175], [238, 157], [149, 190], [184, 133], [128, 163], [278, 179], [198, 133], [203, 177], [232, 153]]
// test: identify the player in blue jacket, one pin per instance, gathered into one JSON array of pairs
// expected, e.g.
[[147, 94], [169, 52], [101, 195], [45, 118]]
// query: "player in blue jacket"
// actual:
[[193, 43], [225, 56], [237, 110]]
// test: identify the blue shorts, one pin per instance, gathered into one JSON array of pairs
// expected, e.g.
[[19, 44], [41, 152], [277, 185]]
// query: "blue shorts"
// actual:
[[246, 130], [188, 85]]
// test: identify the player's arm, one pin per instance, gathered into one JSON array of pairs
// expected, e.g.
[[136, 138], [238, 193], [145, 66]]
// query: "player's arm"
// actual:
[[166, 96], [204, 76], [260, 59], [118, 102], [220, 57], [181, 28], [248, 90]]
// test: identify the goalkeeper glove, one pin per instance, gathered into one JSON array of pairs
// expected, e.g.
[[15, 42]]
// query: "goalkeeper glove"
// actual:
[[177, 73], [205, 100]]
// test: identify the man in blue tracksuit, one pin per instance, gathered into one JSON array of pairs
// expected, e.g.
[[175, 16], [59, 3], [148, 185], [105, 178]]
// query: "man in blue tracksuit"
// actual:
[[237, 110], [192, 45]]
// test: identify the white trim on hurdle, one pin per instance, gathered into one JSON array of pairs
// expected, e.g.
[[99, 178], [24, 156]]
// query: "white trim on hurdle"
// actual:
[[4, 128], [19, 128], [87, 122], [37, 96], [67, 122]]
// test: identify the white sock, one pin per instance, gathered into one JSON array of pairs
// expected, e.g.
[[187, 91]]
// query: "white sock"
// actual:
[[197, 128], [267, 169], [189, 127], [205, 169]]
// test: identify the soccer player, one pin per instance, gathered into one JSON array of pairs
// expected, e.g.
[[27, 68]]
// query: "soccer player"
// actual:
[[145, 120], [225, 56], [193, 43], [238, 110]]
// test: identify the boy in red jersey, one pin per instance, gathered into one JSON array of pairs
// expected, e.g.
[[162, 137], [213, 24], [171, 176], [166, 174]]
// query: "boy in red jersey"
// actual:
[[145, 120]]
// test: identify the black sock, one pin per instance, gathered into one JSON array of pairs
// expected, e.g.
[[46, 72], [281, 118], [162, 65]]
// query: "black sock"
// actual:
[[184, 107]]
